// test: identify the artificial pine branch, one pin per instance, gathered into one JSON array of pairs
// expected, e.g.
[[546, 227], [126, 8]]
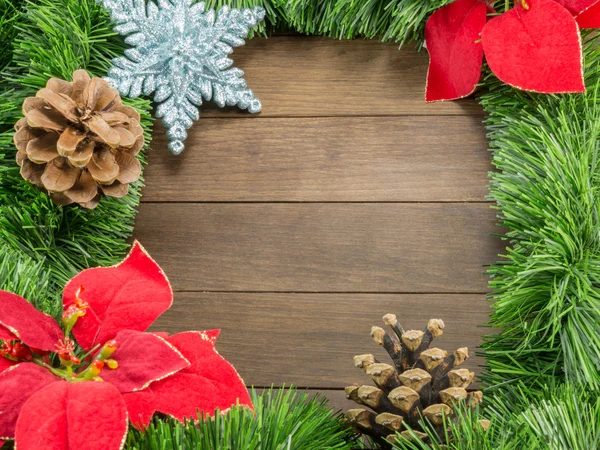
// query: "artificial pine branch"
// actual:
[[389, 20], [283, 419], [545, 291], [55, 38]]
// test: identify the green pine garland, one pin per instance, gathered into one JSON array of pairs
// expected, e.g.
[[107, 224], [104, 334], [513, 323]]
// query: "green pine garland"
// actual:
[[55, 38], [543, 368], [547, 291], [387, 20]]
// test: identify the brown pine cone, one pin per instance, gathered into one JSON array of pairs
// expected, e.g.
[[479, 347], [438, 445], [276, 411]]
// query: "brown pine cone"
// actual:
[[78, 141], [421, 382]]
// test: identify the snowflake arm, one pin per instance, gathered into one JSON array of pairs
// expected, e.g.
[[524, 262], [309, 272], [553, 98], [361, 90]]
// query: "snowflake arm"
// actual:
[[180, 53]]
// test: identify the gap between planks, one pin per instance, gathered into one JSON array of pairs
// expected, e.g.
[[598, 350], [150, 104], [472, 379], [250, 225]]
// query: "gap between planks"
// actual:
[[192, 291], [208, 202]]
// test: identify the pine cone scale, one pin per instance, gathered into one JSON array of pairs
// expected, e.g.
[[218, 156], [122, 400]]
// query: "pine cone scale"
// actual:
[[47, 119], [60, 102], [84, 190], [103, 166], [69, 140], [136, 147], [126, 139], [114, 117], [129, 168], [115, 189], [23, 135], [32, 103], [59, 175], [30, 171], [89, 97], [43, 149], [82, 156], [60, 87], [103, 130], [130, 112]]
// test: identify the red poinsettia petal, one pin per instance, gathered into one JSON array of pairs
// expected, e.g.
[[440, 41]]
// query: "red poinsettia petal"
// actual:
[[73, 416], [17, 384], [536, 49], [129, 296], [590, 18], [576, 7], [212, 335], [143, 358], [6, 335], [21, 319], [5, 363], [455, 53], [210, 383]]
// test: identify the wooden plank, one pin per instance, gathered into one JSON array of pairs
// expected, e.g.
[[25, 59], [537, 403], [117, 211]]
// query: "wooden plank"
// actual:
[[316, 76], [324, 159], [336, 399], [309, 340], [316, 247]]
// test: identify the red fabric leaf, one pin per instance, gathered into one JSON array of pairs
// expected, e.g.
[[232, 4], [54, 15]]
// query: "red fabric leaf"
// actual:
[[538, 49], [590, 18], [210, 383], [143, 358], [17, 384], [129, 296], [5, 363], [19, 318], [73, 416], [6, 335], [455, 56], [1, 443], [576, 7]]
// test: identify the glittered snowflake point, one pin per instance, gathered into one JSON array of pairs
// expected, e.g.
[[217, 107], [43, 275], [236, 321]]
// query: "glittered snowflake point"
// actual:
[[180, 53]]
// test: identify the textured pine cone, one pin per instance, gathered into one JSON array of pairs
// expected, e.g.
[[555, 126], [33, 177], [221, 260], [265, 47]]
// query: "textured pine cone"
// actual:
[[421, 383], [78, 141]]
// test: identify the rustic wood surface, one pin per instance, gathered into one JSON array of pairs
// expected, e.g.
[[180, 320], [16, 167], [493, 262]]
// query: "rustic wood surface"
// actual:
[[310, 339], [348, 159], [321, 247], [348, 197]]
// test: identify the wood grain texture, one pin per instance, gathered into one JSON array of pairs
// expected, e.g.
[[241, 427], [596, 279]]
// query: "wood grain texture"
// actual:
[[310, 339], [315, 76], [324, 159], [315, 247], [297, 229], [336, 399]]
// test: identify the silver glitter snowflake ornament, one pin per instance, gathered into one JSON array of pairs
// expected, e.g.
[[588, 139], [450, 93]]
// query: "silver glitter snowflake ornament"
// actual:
[[179, 53]]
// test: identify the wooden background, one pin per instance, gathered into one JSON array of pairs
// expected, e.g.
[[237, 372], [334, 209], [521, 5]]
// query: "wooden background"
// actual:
[[348, 197]]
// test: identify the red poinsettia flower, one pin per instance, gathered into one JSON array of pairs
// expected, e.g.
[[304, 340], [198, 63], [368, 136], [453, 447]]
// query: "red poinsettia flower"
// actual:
[[535, 46], [57, 395]]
